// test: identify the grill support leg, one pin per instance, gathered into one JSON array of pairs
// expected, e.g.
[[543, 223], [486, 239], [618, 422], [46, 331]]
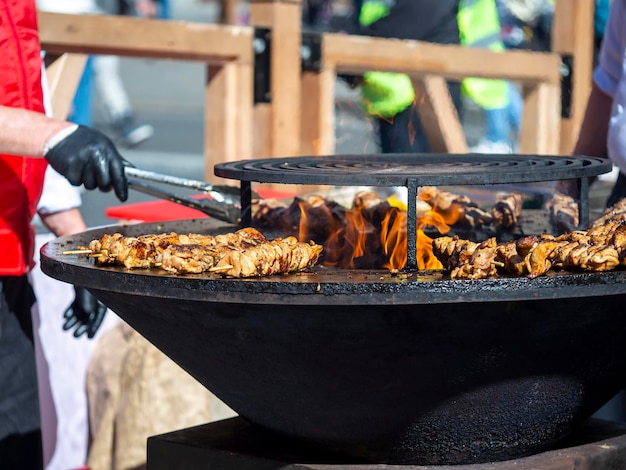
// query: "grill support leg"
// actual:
[[583, 204], [246, 203], [411, 225]]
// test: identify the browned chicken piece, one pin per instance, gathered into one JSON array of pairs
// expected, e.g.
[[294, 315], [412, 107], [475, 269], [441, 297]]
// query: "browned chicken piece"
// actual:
[[618, 241], [563, 212], [268, 211], [616, 212], [591, 258], [128, 251], [456, 209], [278, 256], [525, 245], [507, 210], [475, 217], [482, 260], [509, 258], [367, 200], [601, 234], [460, 258], [240, 239], [440, 200], [102, 247], [579, 236], [540, 258], [452, 251], [189, 258]]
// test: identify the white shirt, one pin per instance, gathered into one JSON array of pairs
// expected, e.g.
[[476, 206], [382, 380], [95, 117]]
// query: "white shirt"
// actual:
[[68, 6], [610, 77]]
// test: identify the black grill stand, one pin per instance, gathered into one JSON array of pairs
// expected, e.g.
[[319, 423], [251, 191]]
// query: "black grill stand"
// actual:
[[413, 171], [233, 444]]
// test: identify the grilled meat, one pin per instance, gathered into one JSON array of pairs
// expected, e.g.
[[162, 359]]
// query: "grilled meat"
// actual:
[[507, 210], [617, 212], [563, 213], [248, 249], [455, 209], [601, 248]]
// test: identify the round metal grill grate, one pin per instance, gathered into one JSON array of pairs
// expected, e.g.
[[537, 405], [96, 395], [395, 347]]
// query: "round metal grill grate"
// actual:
[[418, 169]]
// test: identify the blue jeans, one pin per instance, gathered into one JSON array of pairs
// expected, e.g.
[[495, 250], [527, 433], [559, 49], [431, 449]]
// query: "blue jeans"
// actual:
[[83, 99], [502, 121], [404, 132]]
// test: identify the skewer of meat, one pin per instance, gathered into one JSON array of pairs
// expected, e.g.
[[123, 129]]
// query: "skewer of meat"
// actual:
[[454, 208], [507, 210], [599, 249], [244, 253], [466, 259], [617, 212], [278, 256], [563, 213]]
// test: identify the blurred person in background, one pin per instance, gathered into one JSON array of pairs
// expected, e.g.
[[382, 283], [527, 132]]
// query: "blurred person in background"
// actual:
[[501, 25], [28, 141], [500, 101], [603, 130], [526, 24], [62, 364], [389, 98]]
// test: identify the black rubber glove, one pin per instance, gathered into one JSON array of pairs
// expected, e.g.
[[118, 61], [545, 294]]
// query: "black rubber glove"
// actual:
[[85, 311], [88, 157]]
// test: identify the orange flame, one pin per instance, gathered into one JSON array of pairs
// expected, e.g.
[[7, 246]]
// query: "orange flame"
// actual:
[[347, 246], [375, 239], [394, 239]]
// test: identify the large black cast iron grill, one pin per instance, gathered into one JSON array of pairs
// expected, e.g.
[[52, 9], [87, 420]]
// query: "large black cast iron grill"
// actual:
[[413, 171]]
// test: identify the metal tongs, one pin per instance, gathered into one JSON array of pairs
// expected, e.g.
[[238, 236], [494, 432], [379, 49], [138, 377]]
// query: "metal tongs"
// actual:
[[224, 202]]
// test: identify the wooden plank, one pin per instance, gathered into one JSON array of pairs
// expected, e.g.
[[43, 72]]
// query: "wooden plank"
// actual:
[[318, 126], [572, 33], [245, 107], [229, 11], [128, 36], [541, 120], [228, 121], [358, 54], [285, 78], [63, 77], [438, 115], [283, 18]]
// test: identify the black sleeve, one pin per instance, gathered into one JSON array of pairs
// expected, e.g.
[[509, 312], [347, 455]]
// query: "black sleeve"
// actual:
[[422, 20]]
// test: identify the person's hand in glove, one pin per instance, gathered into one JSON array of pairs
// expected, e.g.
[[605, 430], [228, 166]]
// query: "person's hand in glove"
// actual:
[[85, 313], [86, 156]]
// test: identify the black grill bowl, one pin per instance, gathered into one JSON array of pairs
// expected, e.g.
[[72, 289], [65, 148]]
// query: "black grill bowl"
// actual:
[[409, 368]]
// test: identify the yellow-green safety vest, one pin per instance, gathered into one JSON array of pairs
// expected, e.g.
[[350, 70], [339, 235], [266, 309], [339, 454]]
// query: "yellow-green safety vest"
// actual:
[[479, 26], [383, 94]]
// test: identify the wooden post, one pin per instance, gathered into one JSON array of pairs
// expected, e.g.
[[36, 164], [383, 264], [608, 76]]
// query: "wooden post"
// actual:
[[229, 11], [438, 115], [279, 120], [572, 33], [228, 123], [63, 77], [540, 127], [318, 107]]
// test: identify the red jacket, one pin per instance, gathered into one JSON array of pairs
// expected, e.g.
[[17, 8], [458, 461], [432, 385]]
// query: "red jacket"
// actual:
[[21, 179]]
